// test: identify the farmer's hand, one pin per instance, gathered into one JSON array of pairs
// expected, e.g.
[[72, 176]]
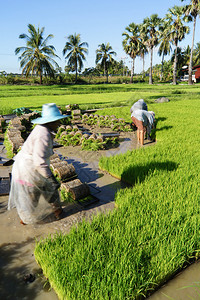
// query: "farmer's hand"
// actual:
[[54, 182]]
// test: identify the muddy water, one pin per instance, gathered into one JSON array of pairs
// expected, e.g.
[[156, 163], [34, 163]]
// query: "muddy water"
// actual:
[[17, 242], [185, 286]]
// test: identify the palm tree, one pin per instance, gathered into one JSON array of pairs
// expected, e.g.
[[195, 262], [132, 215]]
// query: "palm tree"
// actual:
[[131, 43], [142, 47], [187, 52], [177, 31], [75, 53], [150, 29], [197, 54], [192, 10], [164, 40], [180, 58], [37, 56], [104, 57]]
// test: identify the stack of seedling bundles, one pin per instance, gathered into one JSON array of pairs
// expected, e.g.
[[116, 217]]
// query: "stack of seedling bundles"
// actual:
[[61, 169], [72, 189], [13, 139], [76, 114], [2, 124], [71, 135], [17, 132], [106, 121]]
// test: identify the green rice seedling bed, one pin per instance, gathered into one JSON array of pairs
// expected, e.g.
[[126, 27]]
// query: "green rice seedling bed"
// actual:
[[153, 232]]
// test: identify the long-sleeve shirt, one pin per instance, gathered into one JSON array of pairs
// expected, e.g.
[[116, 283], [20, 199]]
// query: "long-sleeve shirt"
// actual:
[[39, 145]]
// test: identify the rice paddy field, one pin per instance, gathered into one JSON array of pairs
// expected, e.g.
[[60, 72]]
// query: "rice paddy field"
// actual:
[[154, 230]]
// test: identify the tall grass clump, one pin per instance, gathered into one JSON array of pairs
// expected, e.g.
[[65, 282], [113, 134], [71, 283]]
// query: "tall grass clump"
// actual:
[[154, 230]]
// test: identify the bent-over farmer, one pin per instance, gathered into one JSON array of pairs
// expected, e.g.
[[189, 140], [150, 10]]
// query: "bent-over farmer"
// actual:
[[144, 121], [140, 104], [33, 186]]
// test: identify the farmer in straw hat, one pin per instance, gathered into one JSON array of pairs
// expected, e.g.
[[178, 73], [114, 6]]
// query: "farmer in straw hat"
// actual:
[[33, 186], [144, 121]]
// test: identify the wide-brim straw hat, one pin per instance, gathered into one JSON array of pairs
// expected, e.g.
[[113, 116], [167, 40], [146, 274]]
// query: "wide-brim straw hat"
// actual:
[[50, 113]]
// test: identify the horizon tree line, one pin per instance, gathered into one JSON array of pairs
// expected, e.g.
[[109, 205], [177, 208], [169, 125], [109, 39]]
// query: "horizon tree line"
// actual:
[[38, 57]]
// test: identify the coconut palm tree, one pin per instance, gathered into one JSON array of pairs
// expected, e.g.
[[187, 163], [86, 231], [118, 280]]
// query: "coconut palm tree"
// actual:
[[164, 41], [131, 43], [177, 31], [180, 58], [75, 53], [197, 54], [150, 29], [104, 56], [187, 54], [37, 56], [143, 47], [192, 10]]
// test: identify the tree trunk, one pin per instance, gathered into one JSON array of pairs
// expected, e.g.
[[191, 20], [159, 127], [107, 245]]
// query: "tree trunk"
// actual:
[[191, 54], [143, 67], [40, 74], [161, 75], [76, 72], [175, 64], [132, 70], [151, 63]]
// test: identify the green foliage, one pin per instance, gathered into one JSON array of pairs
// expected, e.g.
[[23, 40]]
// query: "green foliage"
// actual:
[[8, 146]]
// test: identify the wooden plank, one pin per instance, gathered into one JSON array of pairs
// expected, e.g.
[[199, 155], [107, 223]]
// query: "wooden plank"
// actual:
[[4, 187]]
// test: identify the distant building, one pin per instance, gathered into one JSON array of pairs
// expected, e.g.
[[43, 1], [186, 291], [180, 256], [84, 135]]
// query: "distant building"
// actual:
[[195, 73]]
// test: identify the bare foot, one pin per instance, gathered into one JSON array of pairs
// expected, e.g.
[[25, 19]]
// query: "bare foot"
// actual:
[[21, 222]]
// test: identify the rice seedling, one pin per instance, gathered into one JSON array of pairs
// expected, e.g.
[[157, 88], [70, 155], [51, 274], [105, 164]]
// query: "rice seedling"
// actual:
[[154, 230]]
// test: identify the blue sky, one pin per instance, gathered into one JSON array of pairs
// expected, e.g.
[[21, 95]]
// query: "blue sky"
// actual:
[[96, 21]]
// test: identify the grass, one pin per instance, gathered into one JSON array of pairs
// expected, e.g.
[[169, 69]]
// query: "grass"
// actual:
[[89, 96], [154, 230]]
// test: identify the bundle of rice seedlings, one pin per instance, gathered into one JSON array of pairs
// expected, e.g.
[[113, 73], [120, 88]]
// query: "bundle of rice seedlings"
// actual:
[[65, 172], [54, 157], [84, 137], [68, 128], [74, 190], [2, 124], [60, 130], [65, 140], [92, 144], [63, 133], [85, 116], [122, 121], [57, 164], [75, 140], [78, 133], [76, 112], [101, 122], [75, 128], [100, 137], [93, 136]]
